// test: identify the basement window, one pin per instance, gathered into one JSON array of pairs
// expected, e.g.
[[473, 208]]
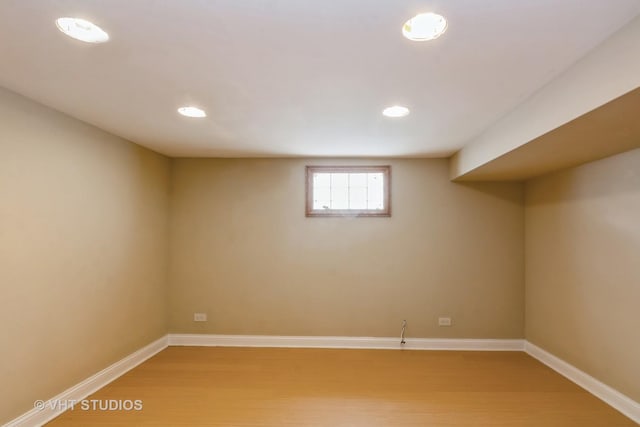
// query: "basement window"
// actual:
[[348, 191]]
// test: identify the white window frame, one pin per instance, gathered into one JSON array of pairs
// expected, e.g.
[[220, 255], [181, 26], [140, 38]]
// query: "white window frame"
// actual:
[[385, 212]]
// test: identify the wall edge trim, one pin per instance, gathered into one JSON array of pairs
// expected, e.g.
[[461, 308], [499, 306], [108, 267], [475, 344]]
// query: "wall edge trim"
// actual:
[[607, 394], [210, 340], [51, 408]]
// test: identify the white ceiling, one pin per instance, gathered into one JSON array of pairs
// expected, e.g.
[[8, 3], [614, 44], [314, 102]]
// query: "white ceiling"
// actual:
[[296, 77]]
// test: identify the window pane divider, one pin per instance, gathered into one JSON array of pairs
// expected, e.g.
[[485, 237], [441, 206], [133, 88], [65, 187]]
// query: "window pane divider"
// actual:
[[311, 171]]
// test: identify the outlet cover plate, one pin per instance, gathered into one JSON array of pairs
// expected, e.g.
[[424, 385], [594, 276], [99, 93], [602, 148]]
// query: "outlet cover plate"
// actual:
[[199, 317], [444, 321]]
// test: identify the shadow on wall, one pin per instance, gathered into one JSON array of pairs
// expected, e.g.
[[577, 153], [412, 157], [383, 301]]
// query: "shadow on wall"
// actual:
[[508, 192], [572, 184]]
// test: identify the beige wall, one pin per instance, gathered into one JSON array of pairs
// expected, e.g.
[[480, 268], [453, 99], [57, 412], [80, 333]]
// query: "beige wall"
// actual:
[[583, 268], [83, 248], [243, 252]]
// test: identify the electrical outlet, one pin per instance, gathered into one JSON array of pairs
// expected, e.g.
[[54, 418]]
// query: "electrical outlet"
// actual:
[[199, 317], [444, 321]]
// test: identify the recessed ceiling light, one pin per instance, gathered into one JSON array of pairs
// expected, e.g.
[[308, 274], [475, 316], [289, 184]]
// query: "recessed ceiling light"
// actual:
[[192, 112], [395, 111], [425, 26], [82, 30]]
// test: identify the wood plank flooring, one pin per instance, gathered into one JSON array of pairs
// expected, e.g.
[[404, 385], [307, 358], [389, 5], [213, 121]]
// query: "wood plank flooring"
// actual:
[[209, 386]]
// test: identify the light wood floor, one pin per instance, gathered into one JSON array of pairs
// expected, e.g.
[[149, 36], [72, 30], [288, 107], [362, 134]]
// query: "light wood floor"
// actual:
[[200, 386]]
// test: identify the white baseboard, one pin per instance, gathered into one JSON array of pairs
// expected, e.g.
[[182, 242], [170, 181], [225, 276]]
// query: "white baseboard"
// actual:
[[51, 408], [614, 398], [345, 342]]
